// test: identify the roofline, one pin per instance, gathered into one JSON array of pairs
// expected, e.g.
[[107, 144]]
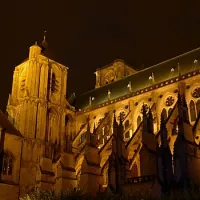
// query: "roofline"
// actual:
[[174, 58], [48, 60]]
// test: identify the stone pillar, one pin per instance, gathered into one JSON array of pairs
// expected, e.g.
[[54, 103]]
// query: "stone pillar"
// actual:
[[90, 177], [97, 73]]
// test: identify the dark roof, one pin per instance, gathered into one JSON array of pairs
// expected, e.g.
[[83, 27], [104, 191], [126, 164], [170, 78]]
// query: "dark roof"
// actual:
[[6, 124], [140, 79]]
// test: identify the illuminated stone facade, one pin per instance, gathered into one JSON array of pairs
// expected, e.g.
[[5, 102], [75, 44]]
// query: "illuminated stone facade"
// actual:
[[114, 138]]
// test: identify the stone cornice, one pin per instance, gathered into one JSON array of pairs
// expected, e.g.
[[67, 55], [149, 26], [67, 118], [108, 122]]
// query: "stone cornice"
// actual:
[[142, 91]]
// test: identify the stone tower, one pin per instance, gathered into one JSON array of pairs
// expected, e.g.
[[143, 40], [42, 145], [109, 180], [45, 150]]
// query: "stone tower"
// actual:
[[38, 95], [38, 108]]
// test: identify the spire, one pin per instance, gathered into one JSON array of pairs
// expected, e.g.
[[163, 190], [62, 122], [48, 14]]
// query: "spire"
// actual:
[[179, 98], [94, 136], [163, 131], [120, 119], [150, 121], [145, 128], [144, 113], [150, 113], [115, 124], [88, 134], [114, 119], [44, 44], [162, 121], [182, 106]]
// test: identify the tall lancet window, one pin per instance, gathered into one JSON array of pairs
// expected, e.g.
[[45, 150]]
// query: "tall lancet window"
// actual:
[[53, 83], [126, 124], [66, 120], [164, 113], [192, 111], [198, 106], [139, 120]]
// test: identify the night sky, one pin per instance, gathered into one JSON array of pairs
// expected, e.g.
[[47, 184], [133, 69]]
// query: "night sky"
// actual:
[[88, 34]]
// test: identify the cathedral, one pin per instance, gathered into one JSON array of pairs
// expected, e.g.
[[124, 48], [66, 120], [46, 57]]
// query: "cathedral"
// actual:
[[136, 132]]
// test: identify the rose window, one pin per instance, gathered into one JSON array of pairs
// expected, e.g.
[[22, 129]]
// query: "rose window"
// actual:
[[169, 101], [196, 92]]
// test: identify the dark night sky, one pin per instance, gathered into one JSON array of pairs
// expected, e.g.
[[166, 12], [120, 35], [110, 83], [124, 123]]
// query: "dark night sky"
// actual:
[[87, 34]]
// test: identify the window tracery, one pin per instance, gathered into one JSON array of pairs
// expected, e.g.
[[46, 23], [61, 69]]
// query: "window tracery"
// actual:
[[196, 92], [169, 101]]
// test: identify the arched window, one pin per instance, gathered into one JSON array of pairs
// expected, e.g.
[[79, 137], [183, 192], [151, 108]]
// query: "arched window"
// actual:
[[139, 120], [198, 106], [127, 135], [192, 111], [66, 120], [164, 113], [135, 170], [126, 124], [7, 166], [53, 83]]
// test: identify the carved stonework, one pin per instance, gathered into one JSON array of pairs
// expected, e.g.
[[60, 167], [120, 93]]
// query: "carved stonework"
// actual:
[[109, 76], [196, 92], [169, 101]]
